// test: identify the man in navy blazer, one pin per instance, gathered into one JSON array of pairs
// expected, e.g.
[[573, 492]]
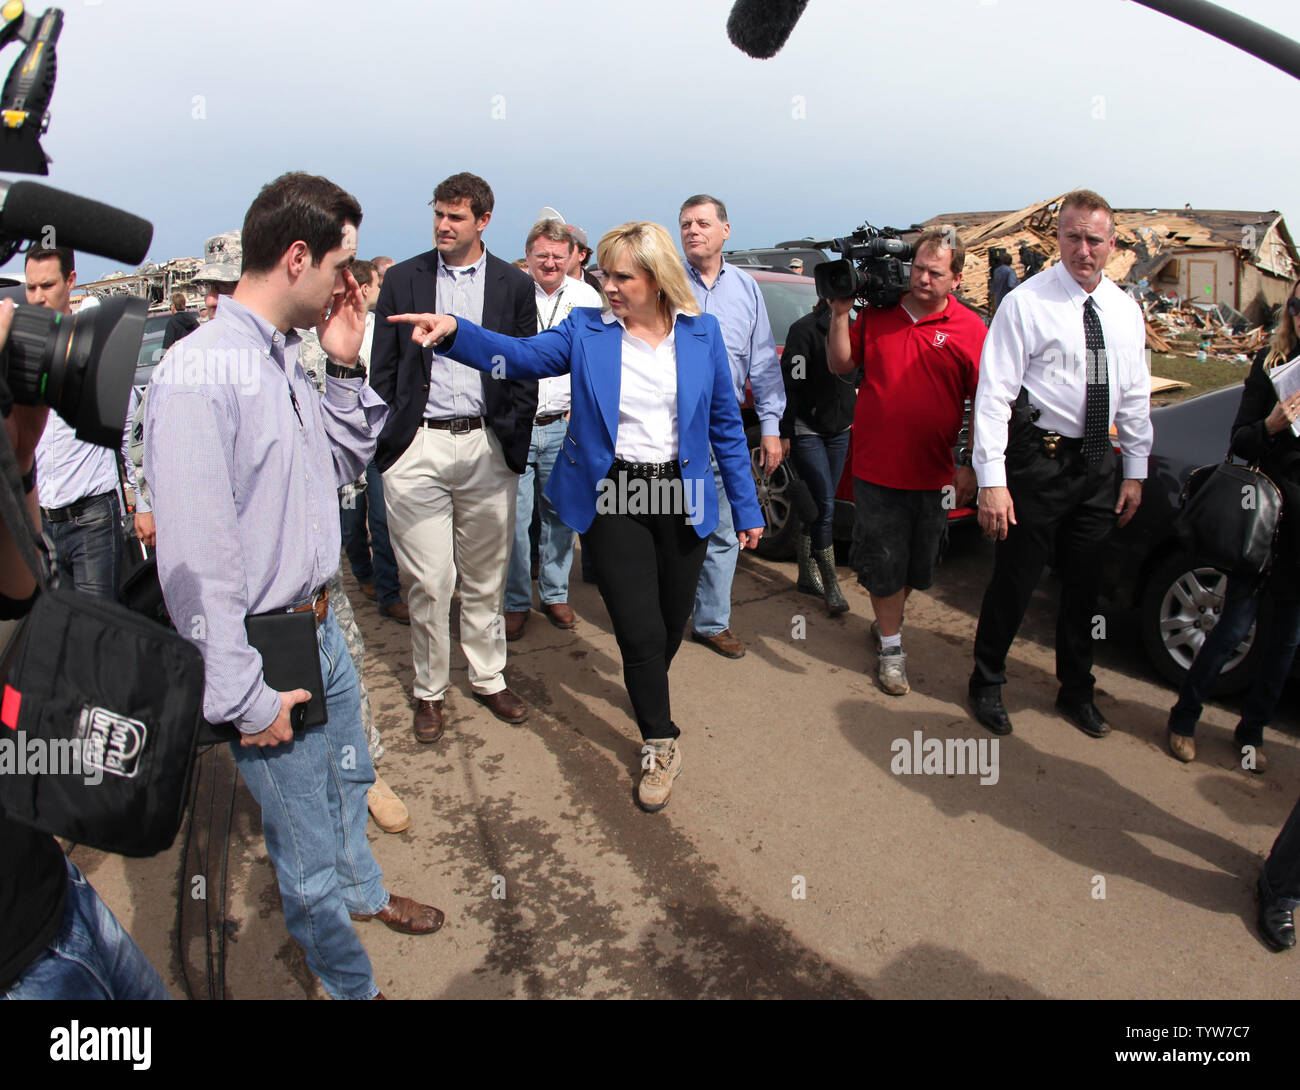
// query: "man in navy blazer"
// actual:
[[452, 451]]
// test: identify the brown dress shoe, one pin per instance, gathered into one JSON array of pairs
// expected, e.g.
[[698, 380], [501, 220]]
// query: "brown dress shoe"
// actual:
[[504, 705], [428, 720], [398, 611], [407, 916], [724, 643], [560, 614], [515, 621], [368, 589]]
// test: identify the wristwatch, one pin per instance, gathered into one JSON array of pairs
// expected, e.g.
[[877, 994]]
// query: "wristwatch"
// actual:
[[963, 456], [338, 370]]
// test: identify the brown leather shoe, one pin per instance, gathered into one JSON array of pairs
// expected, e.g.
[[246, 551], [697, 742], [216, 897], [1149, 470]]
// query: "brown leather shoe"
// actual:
[[560, 614], [428, 720], [724, 643], [407, 916], [398, 611], [504, 705], [516, 619], [368, 589]]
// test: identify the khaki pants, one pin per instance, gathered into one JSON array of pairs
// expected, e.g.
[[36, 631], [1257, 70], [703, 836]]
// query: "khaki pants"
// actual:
[[451, 509]]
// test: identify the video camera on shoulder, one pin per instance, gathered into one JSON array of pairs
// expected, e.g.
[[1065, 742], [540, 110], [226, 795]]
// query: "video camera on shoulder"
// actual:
[[81, 366], [876, 267]]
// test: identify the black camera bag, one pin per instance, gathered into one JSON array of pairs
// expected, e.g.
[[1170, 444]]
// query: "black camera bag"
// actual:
[[96, 687]]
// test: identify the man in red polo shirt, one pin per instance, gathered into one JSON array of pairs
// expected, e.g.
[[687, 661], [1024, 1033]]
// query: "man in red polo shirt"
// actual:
[[920, 362]]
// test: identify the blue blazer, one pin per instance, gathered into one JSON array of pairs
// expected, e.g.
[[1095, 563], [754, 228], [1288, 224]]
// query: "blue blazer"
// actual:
[[592, 351]]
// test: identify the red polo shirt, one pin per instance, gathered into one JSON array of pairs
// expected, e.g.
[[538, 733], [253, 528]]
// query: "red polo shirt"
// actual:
[[915, 378]]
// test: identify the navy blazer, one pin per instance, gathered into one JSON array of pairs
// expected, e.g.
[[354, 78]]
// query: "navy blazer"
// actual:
[[592, 350], [400, 368]]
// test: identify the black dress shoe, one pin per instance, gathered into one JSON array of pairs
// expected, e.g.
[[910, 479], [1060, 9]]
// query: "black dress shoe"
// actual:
[[1276, 924], [1085, 716], [990, 713]]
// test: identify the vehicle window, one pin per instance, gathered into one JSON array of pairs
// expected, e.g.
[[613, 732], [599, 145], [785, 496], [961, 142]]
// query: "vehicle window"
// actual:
[[787, 302]]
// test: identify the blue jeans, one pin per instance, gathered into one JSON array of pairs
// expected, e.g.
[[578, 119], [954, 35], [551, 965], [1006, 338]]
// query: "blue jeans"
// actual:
[[1240, 608], [312, 792], [369, 508], [92, 957], [88, 548], [819, 462], [555, 545], [713, 594]]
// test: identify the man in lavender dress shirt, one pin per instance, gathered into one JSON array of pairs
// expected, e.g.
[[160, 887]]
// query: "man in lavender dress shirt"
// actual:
[[244, 458]]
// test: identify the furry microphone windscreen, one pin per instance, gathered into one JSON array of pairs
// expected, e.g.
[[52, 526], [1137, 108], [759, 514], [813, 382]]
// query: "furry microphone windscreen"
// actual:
[[761, 27]]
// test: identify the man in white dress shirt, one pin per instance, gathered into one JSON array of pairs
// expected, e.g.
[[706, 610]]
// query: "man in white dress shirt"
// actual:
[[549, 250], [1064, 360]]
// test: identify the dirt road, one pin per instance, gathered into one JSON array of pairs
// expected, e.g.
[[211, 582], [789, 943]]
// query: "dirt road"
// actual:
[[793, 860]]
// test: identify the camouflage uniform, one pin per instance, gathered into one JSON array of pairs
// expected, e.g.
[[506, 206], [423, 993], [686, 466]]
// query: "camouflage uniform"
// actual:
[[312, 358]]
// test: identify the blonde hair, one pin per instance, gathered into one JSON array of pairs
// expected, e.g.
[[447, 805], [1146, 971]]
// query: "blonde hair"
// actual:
[[651, 249], [1283, 345]]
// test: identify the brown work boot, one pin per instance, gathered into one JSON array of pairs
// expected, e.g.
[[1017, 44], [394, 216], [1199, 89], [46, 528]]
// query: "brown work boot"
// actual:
[[368, 589], [428, 720], [505, 705], [724, 643], [399, 611], [406, 916], [386, 808], [516, 619], [560, 614]]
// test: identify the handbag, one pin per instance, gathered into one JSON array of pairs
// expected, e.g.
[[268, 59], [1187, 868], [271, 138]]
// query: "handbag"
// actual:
[[102, 707], [1229, 518]]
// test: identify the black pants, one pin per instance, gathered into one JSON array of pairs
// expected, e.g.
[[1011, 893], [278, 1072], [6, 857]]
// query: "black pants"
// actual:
[[1064, 509], [647, 568], [1282, 867]]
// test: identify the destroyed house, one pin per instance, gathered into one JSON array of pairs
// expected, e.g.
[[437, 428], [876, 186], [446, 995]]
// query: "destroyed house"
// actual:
[[1244, 259]]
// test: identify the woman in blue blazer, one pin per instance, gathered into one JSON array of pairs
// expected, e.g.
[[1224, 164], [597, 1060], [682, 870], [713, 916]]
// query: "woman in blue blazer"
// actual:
[[651, 392]]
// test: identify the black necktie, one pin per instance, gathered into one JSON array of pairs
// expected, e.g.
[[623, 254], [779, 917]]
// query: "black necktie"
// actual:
[[1096, 412]]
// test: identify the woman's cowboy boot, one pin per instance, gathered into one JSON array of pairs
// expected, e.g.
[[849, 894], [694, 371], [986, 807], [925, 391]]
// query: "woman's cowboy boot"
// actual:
[[810, 580], [835, 600]]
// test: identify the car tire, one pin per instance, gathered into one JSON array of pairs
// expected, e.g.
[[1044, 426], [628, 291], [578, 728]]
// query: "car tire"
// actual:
[[782, 523], [1181, 602]]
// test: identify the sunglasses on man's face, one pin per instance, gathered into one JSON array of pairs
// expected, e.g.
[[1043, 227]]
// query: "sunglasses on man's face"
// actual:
[[1293, 306]]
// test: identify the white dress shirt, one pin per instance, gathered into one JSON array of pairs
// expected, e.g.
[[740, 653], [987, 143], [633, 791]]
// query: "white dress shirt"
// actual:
[[1037, 341], [647, 397], [67, 469], [553, 393]]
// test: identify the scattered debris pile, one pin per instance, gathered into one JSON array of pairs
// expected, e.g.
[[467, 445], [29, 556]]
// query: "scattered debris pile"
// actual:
[[1190, 329]]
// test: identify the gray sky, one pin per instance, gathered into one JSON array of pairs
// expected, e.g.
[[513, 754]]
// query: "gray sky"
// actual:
[[616, 111]]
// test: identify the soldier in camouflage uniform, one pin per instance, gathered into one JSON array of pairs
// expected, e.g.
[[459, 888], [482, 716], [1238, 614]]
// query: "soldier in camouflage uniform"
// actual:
[[223, 260]]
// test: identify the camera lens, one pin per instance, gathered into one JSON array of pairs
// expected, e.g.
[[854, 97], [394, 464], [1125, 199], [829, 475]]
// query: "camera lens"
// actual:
[[80, 365]]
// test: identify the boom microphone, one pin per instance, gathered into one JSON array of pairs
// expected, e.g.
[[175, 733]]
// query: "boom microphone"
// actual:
[[761, 27], [39, 212]]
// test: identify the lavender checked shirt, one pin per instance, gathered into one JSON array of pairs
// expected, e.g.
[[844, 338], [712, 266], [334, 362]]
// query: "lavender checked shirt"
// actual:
[[244, 458]]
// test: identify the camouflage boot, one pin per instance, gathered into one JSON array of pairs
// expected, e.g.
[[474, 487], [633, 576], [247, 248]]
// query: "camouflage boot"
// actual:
[[810, 580], [836, 603]]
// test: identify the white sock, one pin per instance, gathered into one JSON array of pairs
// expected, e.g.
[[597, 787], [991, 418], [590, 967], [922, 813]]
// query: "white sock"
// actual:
[[896, 640]]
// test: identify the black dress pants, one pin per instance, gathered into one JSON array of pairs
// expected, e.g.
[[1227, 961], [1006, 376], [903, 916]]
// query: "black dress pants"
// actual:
[[1282, 867], [1064, 509], [647, 568]]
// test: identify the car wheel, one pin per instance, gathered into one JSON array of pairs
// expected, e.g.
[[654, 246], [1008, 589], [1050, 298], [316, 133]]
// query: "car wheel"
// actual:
[[778, 540], [1180, 604]]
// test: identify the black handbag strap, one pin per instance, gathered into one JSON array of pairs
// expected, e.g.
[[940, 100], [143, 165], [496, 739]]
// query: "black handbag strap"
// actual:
[[15, 515]]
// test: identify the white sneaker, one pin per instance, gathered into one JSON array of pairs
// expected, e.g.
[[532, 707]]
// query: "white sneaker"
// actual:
[[892, 671], [657, 780]]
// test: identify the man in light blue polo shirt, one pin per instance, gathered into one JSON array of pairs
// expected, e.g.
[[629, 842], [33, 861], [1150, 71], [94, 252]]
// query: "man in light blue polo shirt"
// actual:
[[733, 297]]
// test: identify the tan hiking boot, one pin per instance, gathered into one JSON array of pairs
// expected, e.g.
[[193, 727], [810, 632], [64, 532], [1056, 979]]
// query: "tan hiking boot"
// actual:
[[386, 808], [1182, 747], [665, 765]]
